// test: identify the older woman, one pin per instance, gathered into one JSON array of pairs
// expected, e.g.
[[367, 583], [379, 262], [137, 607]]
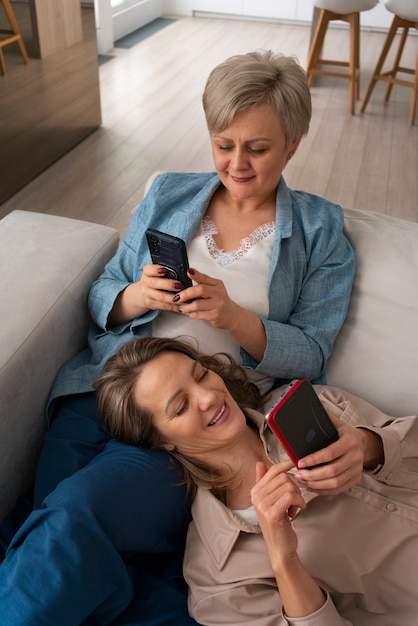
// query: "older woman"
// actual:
[[272, 275], [261, 549]]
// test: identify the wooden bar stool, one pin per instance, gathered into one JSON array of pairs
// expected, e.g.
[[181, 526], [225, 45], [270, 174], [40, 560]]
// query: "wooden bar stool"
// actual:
[[347, 11], [405, 17], [13, 36]]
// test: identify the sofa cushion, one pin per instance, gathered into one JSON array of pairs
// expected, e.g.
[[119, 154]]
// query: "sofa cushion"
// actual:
[[47, 266], [376, 352]]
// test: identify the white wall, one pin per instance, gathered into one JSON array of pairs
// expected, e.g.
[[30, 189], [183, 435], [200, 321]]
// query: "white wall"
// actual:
[[104, 25], [112, 24], [128, 19], [177, 7]]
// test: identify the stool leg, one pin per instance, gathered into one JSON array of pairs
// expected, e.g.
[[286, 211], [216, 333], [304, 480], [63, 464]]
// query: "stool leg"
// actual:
[[397, 61], [386, 47], [414, 95], [12, 21], [2, 65], [23, 50], [354, 63], [317, 44]]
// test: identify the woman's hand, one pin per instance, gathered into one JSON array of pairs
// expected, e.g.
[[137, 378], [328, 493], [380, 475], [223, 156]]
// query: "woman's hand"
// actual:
[[208, 300], [276, 498], [341, 464], [152, 292]]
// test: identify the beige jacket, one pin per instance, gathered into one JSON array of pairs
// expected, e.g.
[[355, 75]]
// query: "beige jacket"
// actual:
[[360, 546]]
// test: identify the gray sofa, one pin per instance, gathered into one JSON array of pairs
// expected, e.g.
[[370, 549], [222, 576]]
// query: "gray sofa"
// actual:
[[49, 262], [47, 265]]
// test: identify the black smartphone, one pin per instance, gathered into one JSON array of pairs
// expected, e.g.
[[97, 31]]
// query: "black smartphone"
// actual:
[[300, 421], [170, 252]]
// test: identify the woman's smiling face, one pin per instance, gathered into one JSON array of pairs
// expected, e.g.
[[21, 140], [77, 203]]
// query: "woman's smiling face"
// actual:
[[191, 406], [251, 153]]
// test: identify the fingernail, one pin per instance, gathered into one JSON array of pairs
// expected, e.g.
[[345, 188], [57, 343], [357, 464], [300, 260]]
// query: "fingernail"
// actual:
[[176, 298], [162, 270], [178, 286], [191, 271]]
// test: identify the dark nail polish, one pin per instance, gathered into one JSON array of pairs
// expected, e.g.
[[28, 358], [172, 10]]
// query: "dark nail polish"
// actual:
[[191, 271], [176, 298], [178, 286]]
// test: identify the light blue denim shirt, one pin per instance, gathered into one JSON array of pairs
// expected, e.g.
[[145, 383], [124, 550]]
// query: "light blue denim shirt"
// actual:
[[310, 279]]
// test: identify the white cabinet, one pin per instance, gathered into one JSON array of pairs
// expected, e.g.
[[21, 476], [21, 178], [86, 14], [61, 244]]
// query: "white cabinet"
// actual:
[[233, 7], [270, 8], [378, 17], [278, 9], [304, 10], [293, 10]]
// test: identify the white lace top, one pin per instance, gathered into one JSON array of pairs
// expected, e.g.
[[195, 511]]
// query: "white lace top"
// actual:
[[244, 273], [225, 258]]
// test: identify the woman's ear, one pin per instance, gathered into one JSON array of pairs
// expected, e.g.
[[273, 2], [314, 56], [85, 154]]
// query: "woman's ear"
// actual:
[[293, 147]]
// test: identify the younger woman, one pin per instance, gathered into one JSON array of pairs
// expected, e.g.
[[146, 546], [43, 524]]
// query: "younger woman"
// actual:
[[262, 549]]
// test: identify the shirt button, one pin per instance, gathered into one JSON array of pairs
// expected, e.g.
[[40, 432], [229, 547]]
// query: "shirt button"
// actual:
[[390, 507]]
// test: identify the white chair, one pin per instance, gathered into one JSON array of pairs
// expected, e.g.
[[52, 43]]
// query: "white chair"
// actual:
[[347, 11], [405, 17]]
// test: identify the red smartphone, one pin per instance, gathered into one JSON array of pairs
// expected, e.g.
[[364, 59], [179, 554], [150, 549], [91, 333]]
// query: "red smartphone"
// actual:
[[300, 422]]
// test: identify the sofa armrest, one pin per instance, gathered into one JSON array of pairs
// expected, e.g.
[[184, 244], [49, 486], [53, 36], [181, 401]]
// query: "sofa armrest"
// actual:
[[48, 264], [376, 353]]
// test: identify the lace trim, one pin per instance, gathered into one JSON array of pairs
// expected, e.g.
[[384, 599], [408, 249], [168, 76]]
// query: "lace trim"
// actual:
[[247, 243]]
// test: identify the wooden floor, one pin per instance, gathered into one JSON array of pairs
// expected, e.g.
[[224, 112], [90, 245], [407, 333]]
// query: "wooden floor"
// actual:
[[153, 120]]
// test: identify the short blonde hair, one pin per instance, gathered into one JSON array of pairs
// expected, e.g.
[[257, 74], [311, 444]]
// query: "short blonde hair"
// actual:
[[254, 79]]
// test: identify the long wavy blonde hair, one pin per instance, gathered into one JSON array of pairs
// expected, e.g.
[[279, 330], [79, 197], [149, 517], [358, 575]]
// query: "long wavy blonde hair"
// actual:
[[129, 422]]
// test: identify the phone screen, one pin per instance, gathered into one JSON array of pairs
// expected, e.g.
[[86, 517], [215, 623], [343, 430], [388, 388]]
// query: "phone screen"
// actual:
[[300, 421]]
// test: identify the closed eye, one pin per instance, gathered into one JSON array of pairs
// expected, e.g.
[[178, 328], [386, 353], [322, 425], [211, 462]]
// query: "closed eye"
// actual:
[[203, 375], [182, 408], [200, 376], [250, 150], [257, 150]]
